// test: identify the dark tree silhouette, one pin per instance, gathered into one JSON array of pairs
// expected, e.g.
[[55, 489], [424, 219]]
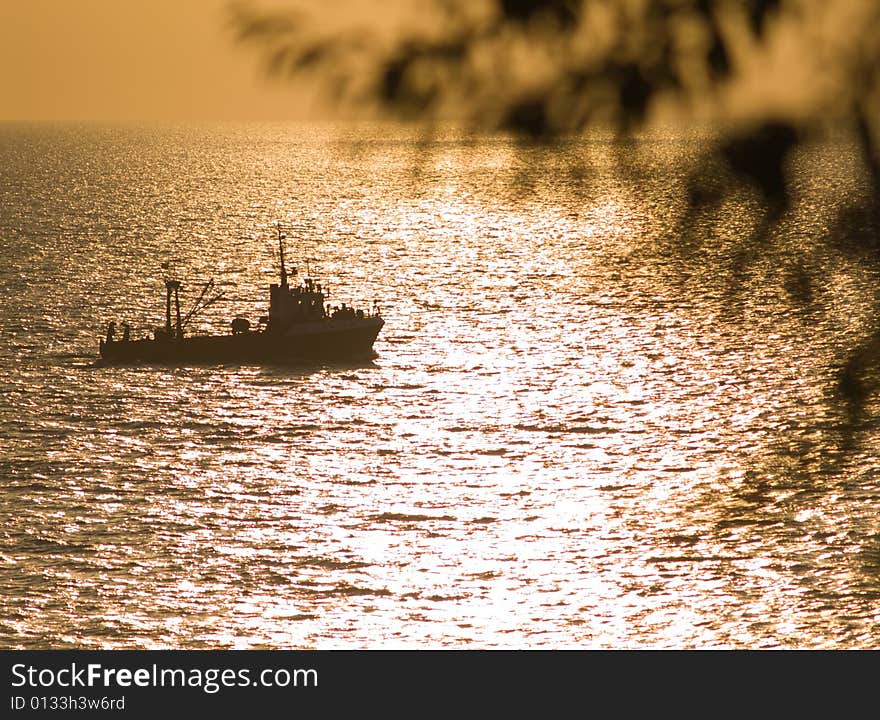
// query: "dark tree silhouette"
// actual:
[[614, 63]]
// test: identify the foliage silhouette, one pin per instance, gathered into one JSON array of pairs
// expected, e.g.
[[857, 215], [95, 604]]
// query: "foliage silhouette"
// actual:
[[616, 62]]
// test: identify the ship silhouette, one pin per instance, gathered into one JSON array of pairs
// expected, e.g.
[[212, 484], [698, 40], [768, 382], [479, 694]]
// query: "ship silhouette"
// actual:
[[298, 327]]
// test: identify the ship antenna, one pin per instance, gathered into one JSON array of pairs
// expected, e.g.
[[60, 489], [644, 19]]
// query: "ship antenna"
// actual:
[[281, 253]]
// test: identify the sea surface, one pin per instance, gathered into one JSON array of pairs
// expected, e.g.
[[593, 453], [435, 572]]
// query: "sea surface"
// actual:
[[578, 430]]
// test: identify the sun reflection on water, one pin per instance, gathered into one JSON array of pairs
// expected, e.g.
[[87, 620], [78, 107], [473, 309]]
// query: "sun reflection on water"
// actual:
[[555, 446]]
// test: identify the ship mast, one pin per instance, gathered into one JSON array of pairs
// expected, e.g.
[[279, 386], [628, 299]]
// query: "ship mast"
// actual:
[[171, 288], [281, 253]]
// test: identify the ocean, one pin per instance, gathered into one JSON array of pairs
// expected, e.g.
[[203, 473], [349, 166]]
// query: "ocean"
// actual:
[[578, 430]]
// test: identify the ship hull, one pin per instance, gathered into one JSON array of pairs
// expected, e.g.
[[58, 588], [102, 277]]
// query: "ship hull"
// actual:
[[316, 342]]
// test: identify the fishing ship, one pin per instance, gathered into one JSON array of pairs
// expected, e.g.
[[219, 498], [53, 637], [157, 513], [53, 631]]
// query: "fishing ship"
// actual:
[[299, 327]]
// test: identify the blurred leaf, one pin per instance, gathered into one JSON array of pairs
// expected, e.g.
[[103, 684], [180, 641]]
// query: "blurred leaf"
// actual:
[[635, 92], [759, 156], [529, 117], [717, 56], [251, 24], [565, 12], [759, 11], [397, 86]]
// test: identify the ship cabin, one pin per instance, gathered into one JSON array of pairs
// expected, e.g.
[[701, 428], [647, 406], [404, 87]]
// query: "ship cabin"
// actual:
[[289, 305]]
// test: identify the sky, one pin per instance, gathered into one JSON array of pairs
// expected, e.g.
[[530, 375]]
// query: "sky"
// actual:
[[141, 60], [131, 60]]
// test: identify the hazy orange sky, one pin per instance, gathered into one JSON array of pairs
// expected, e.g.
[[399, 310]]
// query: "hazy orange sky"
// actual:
[[111, 60]]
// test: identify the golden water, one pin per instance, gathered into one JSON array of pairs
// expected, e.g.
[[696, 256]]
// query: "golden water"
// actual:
[[572, 435]]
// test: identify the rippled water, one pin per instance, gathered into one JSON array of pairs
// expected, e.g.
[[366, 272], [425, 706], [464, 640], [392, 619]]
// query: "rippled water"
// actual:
[[573, 434]]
